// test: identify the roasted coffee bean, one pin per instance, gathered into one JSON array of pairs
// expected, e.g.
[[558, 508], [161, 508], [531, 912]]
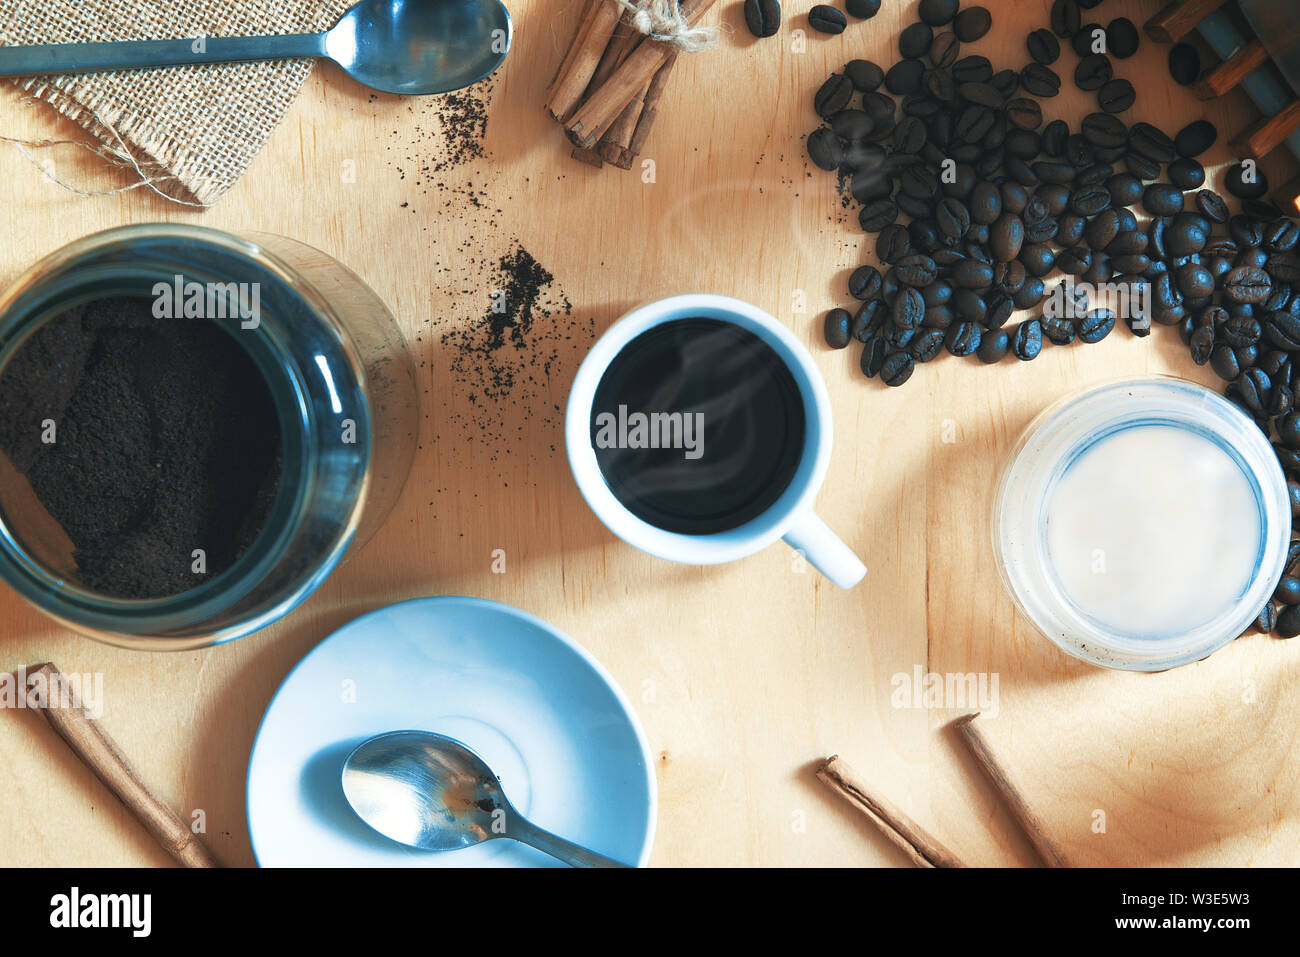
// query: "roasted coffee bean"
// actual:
[[1287, 591], [1194, 281], [1247, 284], [1089, 200], [915, 40], [1006, 82], [972, 274], [1184, 64], [1056, 197], [1058, 329], [1040, 80], [1146, 140], [851, 125], [824, 149], [1104, 130], [1089, 39], [1065, 18], [837, 326], [945, 49], [1122, 38], [864, 282], [763, 17], [1029, 340], [1125, 189], [864, 75], [896, 369], [825, 19], [968, 305], [1288, 622], [971, 24], [1000, 308], [873, 355], [1054, 137], [1281, 235], [1006, 236], [1024, 113], [1141, 167], [927, 345], [1074, 261], [893, 244], [1186, 235], [1245, 231], [1186, 174], [972, 69], [962, 338], [860, 155], [1162, 199], [870, 319], [1043, 46], [1253, 387], [862, 9], [834, 94], [1038, 258], [917, 270], [1030, 294], [1041, 231], [909, 135], [904, 77], [994, 345], [908, 309], [1095, 325], [1070, 229], [1288, 432], [985, 94], [937, 12], [1102, 229], [877, 214], [1240, 332], [1116, 96], [1201, 344], [1022, 143], [1195, 138], [1235, 182], [1093, 72], [869, 184], [1020, 171], [1014, 197], [952, 218], [1223, 360]]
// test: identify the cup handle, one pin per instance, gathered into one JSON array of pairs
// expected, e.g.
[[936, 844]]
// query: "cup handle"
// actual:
[[823, 548]]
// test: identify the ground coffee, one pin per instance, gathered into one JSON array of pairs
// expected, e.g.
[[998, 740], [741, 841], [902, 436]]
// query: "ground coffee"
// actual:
[[165, 441]]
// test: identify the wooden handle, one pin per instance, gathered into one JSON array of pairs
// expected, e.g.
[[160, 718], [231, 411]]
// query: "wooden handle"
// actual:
[[1262, 138], [1232, 71], [922, 849], [52, 696], [1029, 822], [1179, 18]]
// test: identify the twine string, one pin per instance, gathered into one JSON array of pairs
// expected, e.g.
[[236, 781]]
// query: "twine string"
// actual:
[[663, 20]]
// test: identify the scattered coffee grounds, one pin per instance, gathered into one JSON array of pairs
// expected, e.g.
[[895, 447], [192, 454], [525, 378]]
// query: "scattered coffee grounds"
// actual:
[[504, 359], [975, 200], [165, 441], [452, 134]]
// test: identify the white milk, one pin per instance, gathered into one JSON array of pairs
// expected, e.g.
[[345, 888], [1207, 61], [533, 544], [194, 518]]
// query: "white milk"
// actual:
[[1153, 531]]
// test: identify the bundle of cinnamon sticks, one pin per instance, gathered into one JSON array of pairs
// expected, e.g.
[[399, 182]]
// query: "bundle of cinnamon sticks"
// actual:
[[606, 93]]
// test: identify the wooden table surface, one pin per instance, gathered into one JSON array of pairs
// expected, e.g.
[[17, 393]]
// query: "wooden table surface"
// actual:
[[744, 675]]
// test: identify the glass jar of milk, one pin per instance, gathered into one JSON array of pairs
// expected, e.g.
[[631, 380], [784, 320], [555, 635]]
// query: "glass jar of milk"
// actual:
[[1142, 524]]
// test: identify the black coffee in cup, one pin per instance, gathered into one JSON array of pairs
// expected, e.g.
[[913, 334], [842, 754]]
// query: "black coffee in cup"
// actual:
[[698, 426]]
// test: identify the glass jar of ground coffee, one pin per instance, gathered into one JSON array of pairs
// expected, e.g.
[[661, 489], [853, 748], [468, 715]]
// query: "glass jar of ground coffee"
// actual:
[[195, 428]]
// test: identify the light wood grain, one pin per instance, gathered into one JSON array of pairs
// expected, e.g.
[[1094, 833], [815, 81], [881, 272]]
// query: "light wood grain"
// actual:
[[742, 674]]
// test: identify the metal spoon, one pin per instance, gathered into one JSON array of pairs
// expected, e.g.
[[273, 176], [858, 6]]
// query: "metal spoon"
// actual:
[[394, 46], [431, 792]]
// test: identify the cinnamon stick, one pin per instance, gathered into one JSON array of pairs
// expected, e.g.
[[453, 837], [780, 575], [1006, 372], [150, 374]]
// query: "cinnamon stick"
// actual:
[[99, 752], [583, 58], [614, 144], [650, 108], [1029, 822], [596, 114], [922, 849]]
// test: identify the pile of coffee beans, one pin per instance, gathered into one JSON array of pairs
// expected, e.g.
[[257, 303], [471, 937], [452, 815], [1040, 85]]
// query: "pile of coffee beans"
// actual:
[[975, 203]]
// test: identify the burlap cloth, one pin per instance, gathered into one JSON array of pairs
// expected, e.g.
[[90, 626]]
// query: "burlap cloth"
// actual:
[[192, 130]]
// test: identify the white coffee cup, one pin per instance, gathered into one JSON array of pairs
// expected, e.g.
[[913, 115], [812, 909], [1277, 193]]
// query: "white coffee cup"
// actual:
[[790, 517]]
